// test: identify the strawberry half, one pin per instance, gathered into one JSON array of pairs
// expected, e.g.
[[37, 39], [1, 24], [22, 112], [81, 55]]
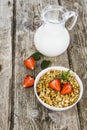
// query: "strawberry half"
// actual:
[[30, 63], [66, 89], [55, 84], [28, 81]]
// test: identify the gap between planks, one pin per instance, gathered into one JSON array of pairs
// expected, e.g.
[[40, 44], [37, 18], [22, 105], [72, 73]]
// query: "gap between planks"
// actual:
[[13, 33]]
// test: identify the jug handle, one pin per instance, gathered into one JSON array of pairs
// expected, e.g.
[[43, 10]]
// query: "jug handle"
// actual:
[[74, 16]]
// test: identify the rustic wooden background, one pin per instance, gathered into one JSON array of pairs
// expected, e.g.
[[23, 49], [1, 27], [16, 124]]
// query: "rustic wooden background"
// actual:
[[19, 108]]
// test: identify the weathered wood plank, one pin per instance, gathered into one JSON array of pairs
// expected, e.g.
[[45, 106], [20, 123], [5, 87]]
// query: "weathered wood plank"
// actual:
[[6, 14], [28, 113], [78, 53]]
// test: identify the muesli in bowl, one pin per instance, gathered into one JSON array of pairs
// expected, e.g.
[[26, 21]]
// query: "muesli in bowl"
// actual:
[[58, 88]]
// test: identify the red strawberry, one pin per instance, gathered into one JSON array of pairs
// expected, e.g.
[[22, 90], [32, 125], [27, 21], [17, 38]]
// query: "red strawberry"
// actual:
[[66, 89], [30, 63], [28, 81], [55, 84]]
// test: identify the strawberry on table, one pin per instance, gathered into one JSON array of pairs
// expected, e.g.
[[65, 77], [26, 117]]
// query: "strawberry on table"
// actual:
[[30, 63], [55, 84], [66, 89], [28, 81]]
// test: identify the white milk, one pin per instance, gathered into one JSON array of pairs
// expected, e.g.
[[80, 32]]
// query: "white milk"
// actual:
[[51, 39]]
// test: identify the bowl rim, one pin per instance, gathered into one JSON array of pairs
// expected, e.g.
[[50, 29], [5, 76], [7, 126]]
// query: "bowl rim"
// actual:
[[58, 68]]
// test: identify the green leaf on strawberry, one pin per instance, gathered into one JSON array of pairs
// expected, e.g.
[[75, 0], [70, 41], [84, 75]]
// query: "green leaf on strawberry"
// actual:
[[64, 75]]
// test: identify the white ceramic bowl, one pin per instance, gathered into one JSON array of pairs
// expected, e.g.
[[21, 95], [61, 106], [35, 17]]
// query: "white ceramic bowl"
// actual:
[[58, 68]]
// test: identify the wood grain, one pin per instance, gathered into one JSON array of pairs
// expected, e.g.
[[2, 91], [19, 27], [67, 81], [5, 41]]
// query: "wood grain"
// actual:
[[78, 52], [28, 112], [6, 16], [19, 108]]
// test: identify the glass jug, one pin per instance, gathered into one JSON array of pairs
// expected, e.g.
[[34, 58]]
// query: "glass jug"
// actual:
[[52, 38]]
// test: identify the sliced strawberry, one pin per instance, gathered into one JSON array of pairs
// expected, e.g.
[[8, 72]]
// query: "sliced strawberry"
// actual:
[[66, 89], [28, 81], [30, 63], [55, 84]]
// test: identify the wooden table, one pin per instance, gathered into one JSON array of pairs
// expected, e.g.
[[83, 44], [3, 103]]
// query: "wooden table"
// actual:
[[19, 108]]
